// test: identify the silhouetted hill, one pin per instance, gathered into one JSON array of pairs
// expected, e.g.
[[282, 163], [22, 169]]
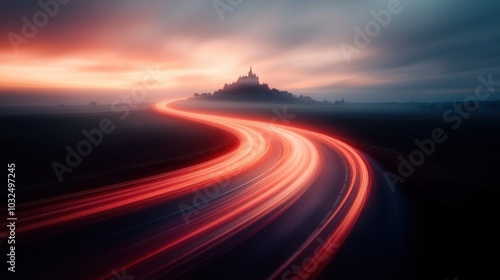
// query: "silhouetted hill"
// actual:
[[248, 88], [255, 92]]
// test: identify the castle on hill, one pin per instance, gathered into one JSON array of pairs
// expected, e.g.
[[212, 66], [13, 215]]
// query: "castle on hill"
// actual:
[[248, 88], [251, 79]]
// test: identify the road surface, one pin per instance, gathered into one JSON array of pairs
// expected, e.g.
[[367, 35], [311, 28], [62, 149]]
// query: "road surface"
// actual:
[[278, 206]]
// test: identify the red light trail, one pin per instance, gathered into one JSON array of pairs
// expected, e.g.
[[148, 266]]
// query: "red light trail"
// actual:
[[269, 171]]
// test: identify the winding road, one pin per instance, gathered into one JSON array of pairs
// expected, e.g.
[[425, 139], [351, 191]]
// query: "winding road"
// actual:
[[280, 205]]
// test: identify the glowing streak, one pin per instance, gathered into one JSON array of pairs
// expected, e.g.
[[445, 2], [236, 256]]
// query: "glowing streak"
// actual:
[[145, 192], [360, 180], [293, 162]]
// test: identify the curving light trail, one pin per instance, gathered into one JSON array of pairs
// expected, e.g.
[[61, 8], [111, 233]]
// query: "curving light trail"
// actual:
[[268, 172]]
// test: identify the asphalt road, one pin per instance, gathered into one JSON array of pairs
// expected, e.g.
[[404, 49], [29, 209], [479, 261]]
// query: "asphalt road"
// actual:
[[279, 205]]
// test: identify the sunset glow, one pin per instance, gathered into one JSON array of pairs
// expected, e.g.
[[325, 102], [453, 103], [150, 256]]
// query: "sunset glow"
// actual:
[[82, 48]]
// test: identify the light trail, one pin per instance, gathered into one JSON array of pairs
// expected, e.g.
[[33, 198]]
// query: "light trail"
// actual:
[[155, 189], [359, 187], [270, 170]]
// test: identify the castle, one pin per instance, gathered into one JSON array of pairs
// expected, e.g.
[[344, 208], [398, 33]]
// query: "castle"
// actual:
[[251, 79], [249, 88]]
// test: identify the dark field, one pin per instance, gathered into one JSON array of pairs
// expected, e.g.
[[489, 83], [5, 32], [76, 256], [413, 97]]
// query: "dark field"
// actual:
[[145, 143], [451, 202]]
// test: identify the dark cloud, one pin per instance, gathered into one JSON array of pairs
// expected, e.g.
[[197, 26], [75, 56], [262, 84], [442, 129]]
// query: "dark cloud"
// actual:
[[431, 46], [437, 47]]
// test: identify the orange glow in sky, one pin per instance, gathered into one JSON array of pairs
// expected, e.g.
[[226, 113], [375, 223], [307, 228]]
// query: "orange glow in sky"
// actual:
[[101, 47], [105, 46]]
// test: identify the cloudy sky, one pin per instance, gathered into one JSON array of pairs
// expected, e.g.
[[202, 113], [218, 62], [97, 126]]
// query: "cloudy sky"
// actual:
[[82, 50]]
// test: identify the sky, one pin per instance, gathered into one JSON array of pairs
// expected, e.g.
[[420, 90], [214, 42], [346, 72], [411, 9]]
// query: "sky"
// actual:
[[75, 51]]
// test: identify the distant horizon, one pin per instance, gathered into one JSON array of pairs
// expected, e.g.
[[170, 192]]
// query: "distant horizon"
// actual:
[[82, 100], [151, 93], [43, 97]]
